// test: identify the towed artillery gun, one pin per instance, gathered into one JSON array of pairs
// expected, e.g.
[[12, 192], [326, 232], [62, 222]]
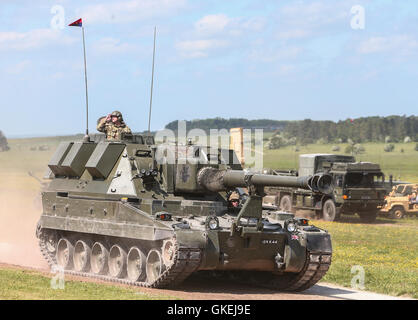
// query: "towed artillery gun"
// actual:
[[151, 215]]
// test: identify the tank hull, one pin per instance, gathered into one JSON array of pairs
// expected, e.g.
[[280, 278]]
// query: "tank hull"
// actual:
[[112, 222]]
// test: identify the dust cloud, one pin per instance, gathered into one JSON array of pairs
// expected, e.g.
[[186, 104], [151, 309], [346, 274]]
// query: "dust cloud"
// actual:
[[19, 213]]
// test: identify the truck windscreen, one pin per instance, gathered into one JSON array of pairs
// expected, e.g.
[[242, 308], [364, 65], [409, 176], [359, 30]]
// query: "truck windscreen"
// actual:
[[364, 179]]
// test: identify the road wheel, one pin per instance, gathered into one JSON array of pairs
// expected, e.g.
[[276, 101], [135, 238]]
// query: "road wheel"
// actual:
[[117, 261], [82, 253], [99, 258], [397, 213], [136, 262], [286, 203], [330, 211], [64, 254], [368, 217], [168, 252], [154, 266]]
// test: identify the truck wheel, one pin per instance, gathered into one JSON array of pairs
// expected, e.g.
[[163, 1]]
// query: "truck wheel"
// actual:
[[397, 213], [368, 217], [329, 211], [286, 203]]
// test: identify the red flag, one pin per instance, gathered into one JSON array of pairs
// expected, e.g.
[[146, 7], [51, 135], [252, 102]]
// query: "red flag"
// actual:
[[78, 23]]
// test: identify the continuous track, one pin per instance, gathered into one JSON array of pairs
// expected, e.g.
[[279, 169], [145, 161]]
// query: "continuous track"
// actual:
[[316, 266], [185, 261]]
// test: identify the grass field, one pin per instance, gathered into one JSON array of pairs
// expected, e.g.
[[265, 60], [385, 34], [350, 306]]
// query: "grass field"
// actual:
[[388, 254], [387, 249], [18, 284]]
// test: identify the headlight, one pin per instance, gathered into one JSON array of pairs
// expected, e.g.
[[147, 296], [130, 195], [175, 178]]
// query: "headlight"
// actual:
[[212, 223], [291, 227]]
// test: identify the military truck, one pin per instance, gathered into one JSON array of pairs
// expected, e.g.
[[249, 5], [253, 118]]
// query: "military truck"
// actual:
[[151, 215], [399, 203], [3, 143], [358, 188]]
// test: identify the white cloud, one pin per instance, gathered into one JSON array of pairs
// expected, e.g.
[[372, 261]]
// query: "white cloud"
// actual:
[[398, 44], [221, 24], [276, 54], [18, 68], [33, 39], [128, 11], [211, 24], [111, 45], [293, 34], [286, 69], [217, 31], [302, 19], [199, 48], [316, 13]]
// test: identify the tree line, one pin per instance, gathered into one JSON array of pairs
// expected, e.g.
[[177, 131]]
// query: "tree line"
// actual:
[[366, 129], [221, 123]]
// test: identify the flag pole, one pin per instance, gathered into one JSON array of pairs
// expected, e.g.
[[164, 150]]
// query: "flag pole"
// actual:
[[86, 138], [152, 82]]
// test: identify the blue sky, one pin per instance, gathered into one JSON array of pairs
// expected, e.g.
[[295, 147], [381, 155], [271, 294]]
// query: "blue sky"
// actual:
[[283, 60]]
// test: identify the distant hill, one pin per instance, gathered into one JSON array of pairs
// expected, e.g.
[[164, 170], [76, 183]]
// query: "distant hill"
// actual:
[[371, 129]]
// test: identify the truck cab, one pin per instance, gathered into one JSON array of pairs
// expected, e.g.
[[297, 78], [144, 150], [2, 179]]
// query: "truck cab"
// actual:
[[359, 187]]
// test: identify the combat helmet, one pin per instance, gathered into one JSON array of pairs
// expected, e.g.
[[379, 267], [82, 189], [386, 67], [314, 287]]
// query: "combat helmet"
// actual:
[[117, 114], [120, 118]]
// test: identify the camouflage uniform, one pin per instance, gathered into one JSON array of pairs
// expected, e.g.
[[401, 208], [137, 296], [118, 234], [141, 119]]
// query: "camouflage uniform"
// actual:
[[113, 131]]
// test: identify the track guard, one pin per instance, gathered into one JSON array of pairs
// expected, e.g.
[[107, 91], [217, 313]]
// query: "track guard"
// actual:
[[319, 243]]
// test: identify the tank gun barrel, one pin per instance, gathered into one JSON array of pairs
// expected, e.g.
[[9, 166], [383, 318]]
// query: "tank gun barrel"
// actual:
[[221, 180]]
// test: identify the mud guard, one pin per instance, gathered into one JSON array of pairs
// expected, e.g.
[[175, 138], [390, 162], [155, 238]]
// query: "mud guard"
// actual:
[[319, 243], [192, 238], [294, 255]]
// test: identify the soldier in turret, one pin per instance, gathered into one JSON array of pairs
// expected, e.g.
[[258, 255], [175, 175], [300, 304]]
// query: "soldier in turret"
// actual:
[[113, 126]]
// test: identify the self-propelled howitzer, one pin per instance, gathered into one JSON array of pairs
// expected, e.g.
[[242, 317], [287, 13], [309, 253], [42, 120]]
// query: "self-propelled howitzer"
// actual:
[[147, 215]]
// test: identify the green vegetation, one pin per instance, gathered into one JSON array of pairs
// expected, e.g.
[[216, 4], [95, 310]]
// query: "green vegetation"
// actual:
[[277, 141], [355, 149], [221, 123], [28, 285], [389, 147], [388, 254], [361, 130]]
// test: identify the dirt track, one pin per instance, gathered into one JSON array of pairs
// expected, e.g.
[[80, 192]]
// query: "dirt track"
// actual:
[[198, 288]]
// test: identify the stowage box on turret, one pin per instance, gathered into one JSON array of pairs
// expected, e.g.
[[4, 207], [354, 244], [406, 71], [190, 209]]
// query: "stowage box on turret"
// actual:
[[151, 215]]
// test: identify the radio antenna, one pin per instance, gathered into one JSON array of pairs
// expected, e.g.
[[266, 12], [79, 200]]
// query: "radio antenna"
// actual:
[[79, 23], [86, 138], [152, 82]]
